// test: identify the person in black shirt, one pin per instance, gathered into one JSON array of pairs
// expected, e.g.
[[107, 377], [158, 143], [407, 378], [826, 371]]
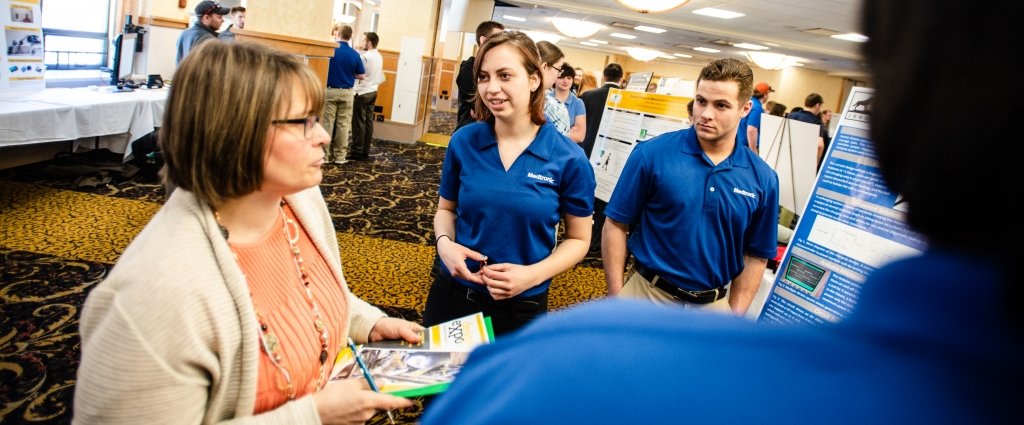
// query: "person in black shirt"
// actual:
[[466, 81]]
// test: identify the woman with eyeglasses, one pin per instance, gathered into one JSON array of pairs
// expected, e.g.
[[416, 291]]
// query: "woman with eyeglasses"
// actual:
[[551, 61], [231, 302], [505, 184]]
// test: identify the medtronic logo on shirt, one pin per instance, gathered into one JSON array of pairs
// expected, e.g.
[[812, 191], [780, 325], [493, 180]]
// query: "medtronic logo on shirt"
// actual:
[[541, 178], [744, 193]]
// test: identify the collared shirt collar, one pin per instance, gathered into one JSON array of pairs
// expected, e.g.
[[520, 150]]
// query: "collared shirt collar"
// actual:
[[738, 158], [541, 146]]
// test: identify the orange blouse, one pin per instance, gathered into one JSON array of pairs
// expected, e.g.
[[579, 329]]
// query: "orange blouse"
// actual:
[[281, 303]]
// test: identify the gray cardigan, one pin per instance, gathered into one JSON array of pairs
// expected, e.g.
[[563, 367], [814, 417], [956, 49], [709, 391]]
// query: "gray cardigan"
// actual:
[[170, 336]]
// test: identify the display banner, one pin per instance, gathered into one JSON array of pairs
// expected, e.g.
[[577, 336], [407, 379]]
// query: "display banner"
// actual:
[[631, 117], [23, 40], [851, 226]]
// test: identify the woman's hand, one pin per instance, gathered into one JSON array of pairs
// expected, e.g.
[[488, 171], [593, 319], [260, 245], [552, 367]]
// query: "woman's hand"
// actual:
[[350, 401], [394, 328], [454, 256], [506, 280]]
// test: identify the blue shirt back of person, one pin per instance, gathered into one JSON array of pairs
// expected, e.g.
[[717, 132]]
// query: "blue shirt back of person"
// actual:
[[752, 119], [695, 220], [344, 66], [948, 357], [512, 216]]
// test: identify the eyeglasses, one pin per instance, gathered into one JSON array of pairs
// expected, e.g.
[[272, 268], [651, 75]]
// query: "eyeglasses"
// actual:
[[309, 124]]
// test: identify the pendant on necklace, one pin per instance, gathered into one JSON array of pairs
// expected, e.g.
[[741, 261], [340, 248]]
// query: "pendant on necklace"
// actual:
[[319, 324], [271, 342]]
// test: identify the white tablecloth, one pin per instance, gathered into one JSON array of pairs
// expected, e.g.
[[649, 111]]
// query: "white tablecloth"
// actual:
[[58, 114]]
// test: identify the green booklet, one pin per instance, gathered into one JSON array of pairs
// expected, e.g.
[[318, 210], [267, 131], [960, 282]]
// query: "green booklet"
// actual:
[[412, 370]]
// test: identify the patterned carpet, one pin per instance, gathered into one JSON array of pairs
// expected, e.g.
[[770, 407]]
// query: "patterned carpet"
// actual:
[[59, 240]]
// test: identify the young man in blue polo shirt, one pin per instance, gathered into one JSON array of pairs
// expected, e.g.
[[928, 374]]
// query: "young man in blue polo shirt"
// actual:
[[704, 207]]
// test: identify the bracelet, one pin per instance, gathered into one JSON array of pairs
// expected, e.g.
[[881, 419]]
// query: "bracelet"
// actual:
[[438, 240]]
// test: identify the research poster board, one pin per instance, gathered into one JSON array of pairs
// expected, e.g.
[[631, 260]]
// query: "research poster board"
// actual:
[[790, 147], [676, 87], [852, 225], [631, 117], [23, 40], [639, 81]]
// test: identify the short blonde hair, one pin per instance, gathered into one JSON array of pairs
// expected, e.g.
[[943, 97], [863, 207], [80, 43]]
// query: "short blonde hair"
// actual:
[[218, 115]]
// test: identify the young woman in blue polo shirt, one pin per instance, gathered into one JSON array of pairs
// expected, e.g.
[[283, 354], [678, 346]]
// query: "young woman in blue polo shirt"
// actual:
[[505, 184]]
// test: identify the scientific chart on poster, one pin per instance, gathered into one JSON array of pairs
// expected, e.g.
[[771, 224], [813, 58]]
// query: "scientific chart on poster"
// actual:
[[629, 118], [23, 40], [851, 226]]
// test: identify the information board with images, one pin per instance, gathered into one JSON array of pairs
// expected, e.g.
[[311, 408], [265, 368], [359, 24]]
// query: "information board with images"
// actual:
[[22, 67], [631, 117], [851, 226]]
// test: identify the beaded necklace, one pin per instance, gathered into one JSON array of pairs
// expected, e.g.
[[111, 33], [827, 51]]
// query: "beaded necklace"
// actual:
[[268, 340]]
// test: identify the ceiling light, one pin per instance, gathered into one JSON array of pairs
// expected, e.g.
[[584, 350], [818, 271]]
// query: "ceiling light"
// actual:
[[706, 49], [621, 35], [718, 13], [683, 55], [646, 28], [346, 19], [666, 57], [642, 54], [542, 36], [514, 18], [587, 43], [771, 61], [594, 40], [748, 46], [576, 28], [647, 6], [852, 36]]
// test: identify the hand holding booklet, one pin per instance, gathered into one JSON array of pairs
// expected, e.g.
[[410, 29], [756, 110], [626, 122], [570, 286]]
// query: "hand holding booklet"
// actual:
[[409, 370]]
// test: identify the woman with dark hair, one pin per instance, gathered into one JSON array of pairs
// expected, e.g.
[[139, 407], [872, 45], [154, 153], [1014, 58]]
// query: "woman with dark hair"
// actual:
[[505, 185], [231, 302], [551, 61]]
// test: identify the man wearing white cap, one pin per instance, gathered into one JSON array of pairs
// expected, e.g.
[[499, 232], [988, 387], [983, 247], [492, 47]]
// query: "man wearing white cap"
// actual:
[[209, 17]]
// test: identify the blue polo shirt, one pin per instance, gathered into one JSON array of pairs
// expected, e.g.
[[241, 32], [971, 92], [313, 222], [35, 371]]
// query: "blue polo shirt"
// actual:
[[344, 66], [575, 107], [903, 356], [752, 119], [695, 220], [512, 216]]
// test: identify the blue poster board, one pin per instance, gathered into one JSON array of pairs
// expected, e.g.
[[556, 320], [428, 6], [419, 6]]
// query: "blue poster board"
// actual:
[[852, 225]]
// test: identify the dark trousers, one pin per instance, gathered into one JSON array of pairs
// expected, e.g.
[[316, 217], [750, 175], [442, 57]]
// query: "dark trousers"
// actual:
[[448, 300], [362, 125]]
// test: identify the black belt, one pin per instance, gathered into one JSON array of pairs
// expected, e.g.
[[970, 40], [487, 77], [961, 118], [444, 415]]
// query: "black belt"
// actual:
[[693, 297]]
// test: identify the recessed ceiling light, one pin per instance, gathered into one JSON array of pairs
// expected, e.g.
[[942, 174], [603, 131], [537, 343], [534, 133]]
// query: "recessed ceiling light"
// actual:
[[666, 57], [594, 40], [587, 43], [718, 13], [683, 55], [514, 18], [646, 28], [749, 46], [621, 35], [706, 50], [852, 36]]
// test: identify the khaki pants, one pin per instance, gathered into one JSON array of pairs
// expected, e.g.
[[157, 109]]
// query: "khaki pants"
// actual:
[[638, 287], [337, 121]]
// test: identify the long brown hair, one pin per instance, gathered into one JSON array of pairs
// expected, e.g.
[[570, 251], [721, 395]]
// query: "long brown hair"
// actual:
[[218, 113], [530, 60]]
